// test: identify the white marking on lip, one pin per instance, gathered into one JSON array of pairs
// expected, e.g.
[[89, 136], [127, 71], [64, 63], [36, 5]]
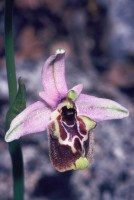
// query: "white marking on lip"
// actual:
[[69, 142], [67, 124]]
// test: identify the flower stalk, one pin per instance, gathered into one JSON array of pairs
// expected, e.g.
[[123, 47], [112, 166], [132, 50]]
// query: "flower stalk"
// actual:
[[14, 147]]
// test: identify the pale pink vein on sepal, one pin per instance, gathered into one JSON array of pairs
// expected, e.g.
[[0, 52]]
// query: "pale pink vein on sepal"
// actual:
[[59, 73], [99, 109], [53, 78], [34, 118]]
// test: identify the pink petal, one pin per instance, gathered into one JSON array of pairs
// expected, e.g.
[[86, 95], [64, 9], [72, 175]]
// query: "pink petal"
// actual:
[[53, 78], [78, 88], [34, 118], [75, 92], [48, 99], [99, 109]]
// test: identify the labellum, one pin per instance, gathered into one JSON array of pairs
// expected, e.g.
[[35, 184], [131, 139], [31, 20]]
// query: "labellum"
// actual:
[[70, 139]]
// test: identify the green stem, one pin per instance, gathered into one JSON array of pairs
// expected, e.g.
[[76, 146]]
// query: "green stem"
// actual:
[[14, 147], [9, 51]]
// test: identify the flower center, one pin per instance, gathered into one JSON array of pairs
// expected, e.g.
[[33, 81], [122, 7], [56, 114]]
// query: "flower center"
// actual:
[[68, 115], [66, 109]]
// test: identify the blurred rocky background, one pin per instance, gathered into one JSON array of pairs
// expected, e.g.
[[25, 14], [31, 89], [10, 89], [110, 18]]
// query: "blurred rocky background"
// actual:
[[98, 36]]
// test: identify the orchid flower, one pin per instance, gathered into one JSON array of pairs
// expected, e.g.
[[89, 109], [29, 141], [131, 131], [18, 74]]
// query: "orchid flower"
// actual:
[[68, 116]]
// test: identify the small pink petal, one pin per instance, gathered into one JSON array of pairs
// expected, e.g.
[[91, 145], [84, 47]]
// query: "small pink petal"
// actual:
[[99, 109], [34, 118], [53, 77], [78, 88]]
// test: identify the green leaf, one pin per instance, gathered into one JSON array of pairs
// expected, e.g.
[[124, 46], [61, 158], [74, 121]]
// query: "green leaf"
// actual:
[[18, 105]]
